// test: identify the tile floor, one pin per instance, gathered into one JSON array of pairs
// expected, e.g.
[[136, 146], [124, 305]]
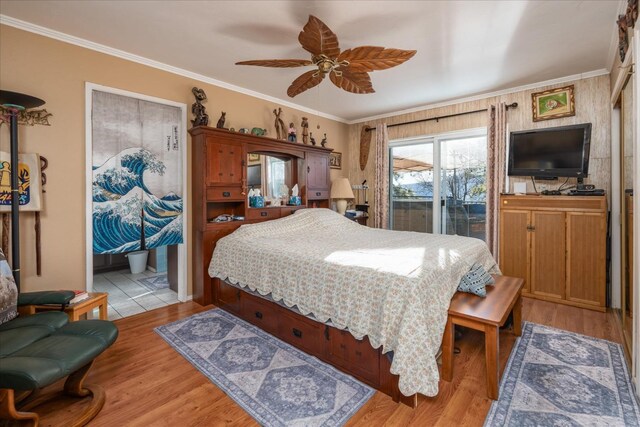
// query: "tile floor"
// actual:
[[127, 296]]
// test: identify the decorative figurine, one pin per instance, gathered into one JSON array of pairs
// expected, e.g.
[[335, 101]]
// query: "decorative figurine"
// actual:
[[244, 130], [259, 132], [198, 110], [292, 133], [280, 129], [312, 139], [232, 129], [324, 141], [220, 124], [305, 130]]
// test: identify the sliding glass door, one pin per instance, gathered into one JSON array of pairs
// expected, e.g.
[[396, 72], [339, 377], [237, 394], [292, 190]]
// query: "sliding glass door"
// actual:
[[445, 171], [411, 191]]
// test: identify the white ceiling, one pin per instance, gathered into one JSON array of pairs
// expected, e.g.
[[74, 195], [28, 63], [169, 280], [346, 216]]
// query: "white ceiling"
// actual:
[[464, 47]]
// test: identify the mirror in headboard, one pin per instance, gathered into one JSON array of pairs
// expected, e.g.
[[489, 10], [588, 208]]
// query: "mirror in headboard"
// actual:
[[268, 173]]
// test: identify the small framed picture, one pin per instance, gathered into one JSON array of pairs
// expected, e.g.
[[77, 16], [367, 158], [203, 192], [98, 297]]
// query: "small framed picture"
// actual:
[[335, 160], [553, 104], [254, 157]]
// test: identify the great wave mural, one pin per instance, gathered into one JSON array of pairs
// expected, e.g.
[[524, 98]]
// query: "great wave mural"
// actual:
[[137, 180], [120, 195]]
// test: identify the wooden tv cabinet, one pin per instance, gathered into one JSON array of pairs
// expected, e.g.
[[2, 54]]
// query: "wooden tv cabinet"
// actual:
[[558, 244]]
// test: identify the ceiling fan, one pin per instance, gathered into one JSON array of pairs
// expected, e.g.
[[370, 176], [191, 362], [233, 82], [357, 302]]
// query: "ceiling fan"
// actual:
[[349, 69]]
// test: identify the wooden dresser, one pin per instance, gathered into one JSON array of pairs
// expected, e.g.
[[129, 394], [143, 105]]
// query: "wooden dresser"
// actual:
[[219, 183], [558, 244]]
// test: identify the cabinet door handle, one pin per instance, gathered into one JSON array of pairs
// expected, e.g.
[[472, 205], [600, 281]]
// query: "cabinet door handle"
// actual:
[[297, 332], [258, 315], [308, 169], [318, 193], [263, 214], [226, 194]]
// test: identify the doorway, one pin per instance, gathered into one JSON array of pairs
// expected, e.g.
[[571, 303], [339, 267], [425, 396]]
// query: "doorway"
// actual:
[[438, 184], [136, 197]]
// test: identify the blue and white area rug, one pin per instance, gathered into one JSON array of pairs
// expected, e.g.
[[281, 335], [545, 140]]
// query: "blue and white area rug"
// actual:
[[558, 378], [155, 283], [275, 383]]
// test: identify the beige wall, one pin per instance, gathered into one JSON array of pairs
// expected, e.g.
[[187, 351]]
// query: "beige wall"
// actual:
[[592, 105], [57, 72]]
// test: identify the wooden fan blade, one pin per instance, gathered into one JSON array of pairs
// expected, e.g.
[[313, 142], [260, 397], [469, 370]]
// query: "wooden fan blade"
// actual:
[[371, 58], [277, 63], [352, 82], [306, 81], [318, 39]]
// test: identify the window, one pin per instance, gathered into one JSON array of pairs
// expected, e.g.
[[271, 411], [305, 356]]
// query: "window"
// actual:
[[452, 167]]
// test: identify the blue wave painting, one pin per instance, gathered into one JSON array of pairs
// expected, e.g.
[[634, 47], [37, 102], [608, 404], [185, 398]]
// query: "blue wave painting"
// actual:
[[120, 195]]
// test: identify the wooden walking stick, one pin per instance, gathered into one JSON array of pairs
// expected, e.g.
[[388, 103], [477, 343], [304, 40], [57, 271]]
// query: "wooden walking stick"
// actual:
[[43, 165]]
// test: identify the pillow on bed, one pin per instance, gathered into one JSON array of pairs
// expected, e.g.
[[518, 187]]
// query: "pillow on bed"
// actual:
[[475, 281]]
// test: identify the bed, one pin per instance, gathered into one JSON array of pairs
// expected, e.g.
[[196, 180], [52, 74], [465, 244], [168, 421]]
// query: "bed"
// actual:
[[389, 286]]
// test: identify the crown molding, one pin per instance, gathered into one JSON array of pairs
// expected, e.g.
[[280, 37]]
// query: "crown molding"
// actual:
[[67, 38], [57, 35], [485, 95]]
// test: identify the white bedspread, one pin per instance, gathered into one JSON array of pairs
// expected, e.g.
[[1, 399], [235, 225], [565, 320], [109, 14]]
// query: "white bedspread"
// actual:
[[393, 286]]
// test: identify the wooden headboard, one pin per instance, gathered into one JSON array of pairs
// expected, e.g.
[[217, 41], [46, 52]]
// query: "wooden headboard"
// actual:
[[219, 186]]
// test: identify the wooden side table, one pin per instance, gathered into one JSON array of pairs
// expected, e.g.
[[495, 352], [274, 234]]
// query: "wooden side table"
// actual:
[[75, 311], [485, 315]]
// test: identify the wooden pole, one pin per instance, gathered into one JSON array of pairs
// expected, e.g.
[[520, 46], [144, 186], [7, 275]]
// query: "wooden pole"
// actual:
[[5, 234]]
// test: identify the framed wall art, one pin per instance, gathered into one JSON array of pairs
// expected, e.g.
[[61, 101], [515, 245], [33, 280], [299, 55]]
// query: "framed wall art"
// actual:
[[553, 104], [335, 160]]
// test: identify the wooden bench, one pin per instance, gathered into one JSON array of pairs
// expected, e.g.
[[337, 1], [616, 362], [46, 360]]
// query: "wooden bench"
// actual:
[[487, 315]]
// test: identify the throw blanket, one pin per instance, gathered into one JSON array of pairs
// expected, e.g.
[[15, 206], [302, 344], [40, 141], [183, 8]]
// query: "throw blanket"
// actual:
[[393, 286]]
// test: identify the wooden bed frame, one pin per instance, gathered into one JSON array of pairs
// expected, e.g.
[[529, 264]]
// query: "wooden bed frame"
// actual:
[[331, 345], [219, 186]]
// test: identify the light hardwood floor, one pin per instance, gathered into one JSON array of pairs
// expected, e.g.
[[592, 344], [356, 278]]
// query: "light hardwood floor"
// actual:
[[149, 384]]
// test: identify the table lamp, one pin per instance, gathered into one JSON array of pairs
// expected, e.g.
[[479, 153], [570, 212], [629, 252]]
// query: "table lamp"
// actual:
[[341, 191]]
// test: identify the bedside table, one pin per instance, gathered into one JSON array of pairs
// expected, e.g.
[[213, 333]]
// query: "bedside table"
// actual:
[[362, 220]]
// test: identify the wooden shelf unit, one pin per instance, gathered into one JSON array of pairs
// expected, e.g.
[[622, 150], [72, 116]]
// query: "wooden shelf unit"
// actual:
[[219, 186], [558, 244]]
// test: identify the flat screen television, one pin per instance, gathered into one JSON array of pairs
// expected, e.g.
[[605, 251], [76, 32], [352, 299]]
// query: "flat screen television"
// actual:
[[551, 152], [254, 176]]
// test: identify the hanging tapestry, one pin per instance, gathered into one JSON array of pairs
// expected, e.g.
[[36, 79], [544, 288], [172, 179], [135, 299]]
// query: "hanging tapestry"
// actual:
[[137, 174], [29, 182]]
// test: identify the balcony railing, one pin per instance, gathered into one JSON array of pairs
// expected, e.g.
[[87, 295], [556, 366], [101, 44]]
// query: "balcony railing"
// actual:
[[464, 218]]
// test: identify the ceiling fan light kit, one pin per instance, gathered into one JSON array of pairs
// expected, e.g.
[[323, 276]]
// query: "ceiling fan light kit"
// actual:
[[348, 70]]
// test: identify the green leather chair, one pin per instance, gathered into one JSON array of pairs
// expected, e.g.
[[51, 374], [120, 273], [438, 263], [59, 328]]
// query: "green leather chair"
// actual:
[[40, 349]]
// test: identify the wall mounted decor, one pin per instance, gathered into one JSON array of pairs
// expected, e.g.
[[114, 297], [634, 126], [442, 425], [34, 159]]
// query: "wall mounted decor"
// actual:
[[553, 104], [626, 22], [335, 160], [29, 182], [365, 144]]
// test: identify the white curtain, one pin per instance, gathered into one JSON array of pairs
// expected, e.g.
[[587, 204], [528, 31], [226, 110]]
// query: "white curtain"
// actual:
[[381, 190]]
